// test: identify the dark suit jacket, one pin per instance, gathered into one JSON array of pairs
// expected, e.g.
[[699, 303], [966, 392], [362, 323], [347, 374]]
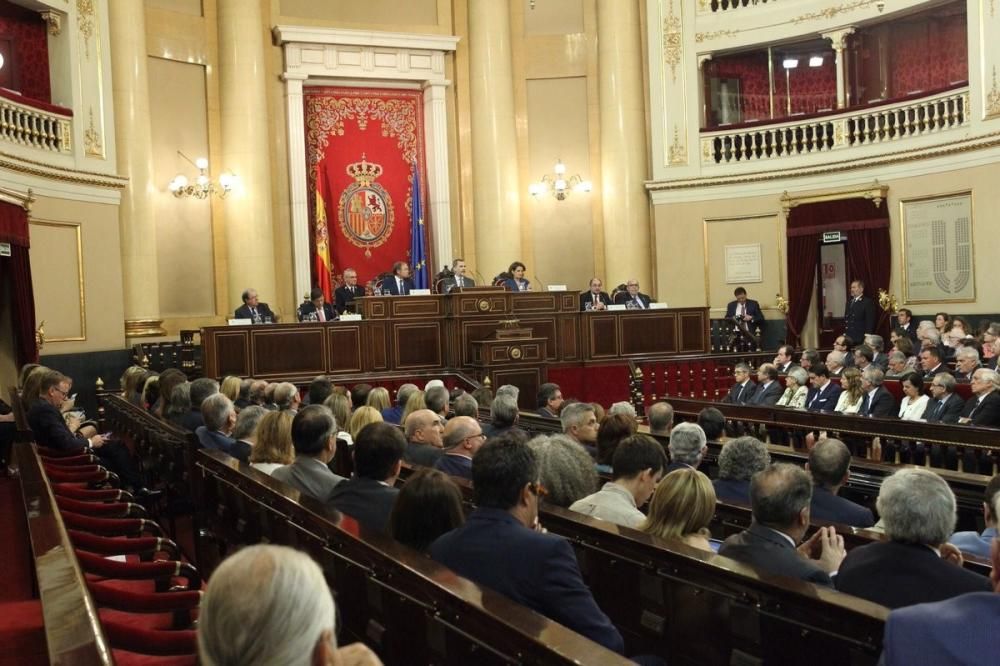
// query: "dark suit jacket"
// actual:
[[825, 401], [768, 395], [389, 286], [883, 406], [929, 375], [963, 377], [422, 454], [898, 574], [365, 500], [736, 396], [50, 429], [769, 551], [308, 308], [986, 413], [455, 465], [827, 506], [494, 430], [588, 297], [243, 312], [752, 309], [911, 332], [191, 420], [544, 411], [953, 405], [534, 569], [859, 318], [732, 491], [344, 296], [449, 283], [212, 439], [881, 361], [962, 630], [510, 284], [623, 298], [392, 414]]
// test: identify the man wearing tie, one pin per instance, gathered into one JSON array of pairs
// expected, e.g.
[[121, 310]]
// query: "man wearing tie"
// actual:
[[594, 298], [877, 402], [253, 309], [741, 392], [745, 310], [944, 407], [317, 309], [400, 283], [860, 315], [632, 298], [345, 294], [824, 394], [982, 409], [461, 281]]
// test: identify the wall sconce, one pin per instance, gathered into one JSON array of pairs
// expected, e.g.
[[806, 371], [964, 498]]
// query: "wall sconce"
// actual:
[[203, 186], [559, 186]]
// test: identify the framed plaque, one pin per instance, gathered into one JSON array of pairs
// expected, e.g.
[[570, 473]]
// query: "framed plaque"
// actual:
[[938, 254], [743, 263]]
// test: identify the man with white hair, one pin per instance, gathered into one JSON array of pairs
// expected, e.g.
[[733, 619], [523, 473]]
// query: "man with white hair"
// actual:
[[271, 605], [286, 397], [687, 447], [917, 564], [623, 407], [220, 418], [423, 431], [982, 410], [877, 345], [966, 363], [579, 422], [503, 415], [835, 363]]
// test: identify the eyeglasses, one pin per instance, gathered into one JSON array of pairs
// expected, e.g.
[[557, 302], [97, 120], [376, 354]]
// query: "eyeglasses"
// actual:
[[65, 394], [481, 434], [538, 489]]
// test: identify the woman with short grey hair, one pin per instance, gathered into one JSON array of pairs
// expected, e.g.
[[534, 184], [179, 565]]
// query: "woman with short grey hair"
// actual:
[[739, 460], [796, 389], [565, 468]]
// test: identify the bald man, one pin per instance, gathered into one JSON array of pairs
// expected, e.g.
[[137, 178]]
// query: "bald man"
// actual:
[[462, 438], [423, 438]]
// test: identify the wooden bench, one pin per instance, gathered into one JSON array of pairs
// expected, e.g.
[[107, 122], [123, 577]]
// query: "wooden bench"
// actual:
[[405, 606]]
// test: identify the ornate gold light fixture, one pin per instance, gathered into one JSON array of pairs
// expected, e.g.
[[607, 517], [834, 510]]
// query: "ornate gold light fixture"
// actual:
[[559, 186], [203, 185]]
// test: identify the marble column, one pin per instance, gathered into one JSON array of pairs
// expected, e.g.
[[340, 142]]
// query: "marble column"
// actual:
[[838, 38], [133, 137], [496, 196], [245, 149], [624, 168], [438, 187]]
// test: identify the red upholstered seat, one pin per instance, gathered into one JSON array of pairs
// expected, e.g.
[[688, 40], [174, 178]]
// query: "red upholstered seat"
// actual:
[[151, 642], [106, 509], [111, 526], [78, 491], [22, 634]]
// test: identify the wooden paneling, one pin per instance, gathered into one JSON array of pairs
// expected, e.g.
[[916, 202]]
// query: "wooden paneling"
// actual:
[[418, 345], [344, 347], [692, 327], [232, 353], [279, 351], [653, 332], [603, 336]]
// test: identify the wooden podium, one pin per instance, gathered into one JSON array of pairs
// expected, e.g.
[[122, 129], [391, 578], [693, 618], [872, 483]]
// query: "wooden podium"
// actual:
[[512, 356]]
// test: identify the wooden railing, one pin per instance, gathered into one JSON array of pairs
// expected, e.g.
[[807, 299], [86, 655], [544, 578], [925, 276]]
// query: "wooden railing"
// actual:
[[35, 128]]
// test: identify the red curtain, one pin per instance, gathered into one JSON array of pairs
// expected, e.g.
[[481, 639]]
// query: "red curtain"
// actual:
[[15, 274], [869, 249], [752, 72], [27, 32]]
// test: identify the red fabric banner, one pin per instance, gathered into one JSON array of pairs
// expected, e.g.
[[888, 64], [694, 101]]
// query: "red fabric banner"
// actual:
[[361, 144]]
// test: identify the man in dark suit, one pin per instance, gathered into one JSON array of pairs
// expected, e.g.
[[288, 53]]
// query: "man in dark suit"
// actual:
[[201, 388], [966, 364], [779, 498], [51, 429], [458, 277], [739, 460], [594, 298], [904, 320], [982, 410], [824, 394], [962, 629], [632, 298], [344, 295], [503, 416], [877, 345], [877, 401], [784, 359], [745, 310], [916, 565], [370, 494], [220, 420], [501, 546], [314, 435], [400, 283], [317, 309], [463, 436], [424, 444], [830, 467], [395, 413], [931, 364], [550, 399], [768, 389], [859, 318], [945, 406], [254, 310], [742, 391]]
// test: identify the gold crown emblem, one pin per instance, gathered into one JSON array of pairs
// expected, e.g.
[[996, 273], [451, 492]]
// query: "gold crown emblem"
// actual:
[[364, 171]]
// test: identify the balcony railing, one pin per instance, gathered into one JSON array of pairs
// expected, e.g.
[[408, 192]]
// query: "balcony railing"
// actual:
[[837, 132], [35, 128]]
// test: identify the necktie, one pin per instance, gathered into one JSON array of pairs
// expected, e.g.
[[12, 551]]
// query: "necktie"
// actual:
[[399, 286], [321, 313], [937, 410], [739, 392], [253, 313]]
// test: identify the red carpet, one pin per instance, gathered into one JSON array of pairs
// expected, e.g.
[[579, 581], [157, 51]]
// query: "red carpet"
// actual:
[[15, 547]]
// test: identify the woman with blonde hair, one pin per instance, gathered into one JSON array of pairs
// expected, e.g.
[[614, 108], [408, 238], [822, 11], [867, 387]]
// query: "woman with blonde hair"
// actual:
[[682, 508], [231, 387], [361, 417], [378, 398], [413, 403], [340, 404], [850, 399], [274, 447]]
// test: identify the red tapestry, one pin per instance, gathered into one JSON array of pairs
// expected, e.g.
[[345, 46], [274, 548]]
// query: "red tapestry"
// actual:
[[361, 144], [26, 32]]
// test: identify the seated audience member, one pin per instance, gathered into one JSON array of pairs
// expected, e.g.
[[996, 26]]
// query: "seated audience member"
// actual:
[[740, 392], [945, 405], [169, 379], [316, 308], [286, 397], [784, 359], [896, 365], [378, 399], [273, 448], [983, 408], [613, 429], [852, 395], [201, 388], [499, 546], [809, 359], [271, 605], [394, 414], [179, 404], [594, 298], [550, 399], [151, 392], [258, 387], [713, 424], [661, 418], [269, 397], [579, 423], [509, 389], [130, 381], [599, 412], [465, 405], [975, 543], [220, 419], [345, 294], [359, 395], [835, 363], [687, 446], [462, 438], [796, 389], [340, 405], [622, 407], [877, 344], [320, 389], [632, 298], [960, 630], [768, 389], [566, 471], [638, 465], [503, 416], [514, 279], [243, 399], [361, 417], [423, 436], [483, 396], [966, 364], [438, 400], [779, 498], [931, 363], [830, 467], [863, 356], [230, 387], [51, 429], [368, 496], [877, 400], [905, 347], [314, 435], [916, 564], [824, 394], [429, 505], [682, 508], [914, 402], [413, 403], [739, 460]]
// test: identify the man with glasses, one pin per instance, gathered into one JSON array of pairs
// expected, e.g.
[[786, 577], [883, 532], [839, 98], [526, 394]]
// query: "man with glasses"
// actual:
[[345, 294], [983, 410], [741, 392], [462, 438], [632, 298], [835, 362], [845, 345], [945, 406], [594, 298], [503, 547]]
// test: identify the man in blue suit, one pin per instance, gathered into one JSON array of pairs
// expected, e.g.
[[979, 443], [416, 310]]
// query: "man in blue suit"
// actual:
[[744, 309], [824, 394], [830, 467], [961, 630], [400, 283], [503, 547]]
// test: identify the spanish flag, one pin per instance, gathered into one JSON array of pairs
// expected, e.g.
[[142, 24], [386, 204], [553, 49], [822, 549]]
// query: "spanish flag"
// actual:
[[321, 262]]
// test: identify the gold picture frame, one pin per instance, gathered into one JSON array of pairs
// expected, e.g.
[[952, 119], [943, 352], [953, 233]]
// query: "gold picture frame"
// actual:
[[79, 263], [911, 230]]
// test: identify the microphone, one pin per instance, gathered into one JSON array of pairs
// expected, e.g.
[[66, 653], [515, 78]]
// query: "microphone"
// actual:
[[538, 279], [479, 277]]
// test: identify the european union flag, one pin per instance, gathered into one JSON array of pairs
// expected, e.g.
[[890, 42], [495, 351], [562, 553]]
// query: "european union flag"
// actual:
[[418, 246]]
